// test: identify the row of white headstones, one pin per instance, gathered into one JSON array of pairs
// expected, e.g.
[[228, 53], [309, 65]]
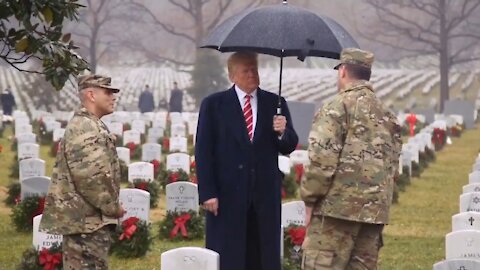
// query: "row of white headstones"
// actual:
[[462, 245]]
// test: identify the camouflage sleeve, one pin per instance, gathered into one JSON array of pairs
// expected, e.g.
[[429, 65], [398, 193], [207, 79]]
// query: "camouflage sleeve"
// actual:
[[325, 144], [90, 167]]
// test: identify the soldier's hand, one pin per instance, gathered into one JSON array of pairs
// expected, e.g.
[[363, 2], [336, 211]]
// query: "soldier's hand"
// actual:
[[121, 212], [308, 216], [279, 123], [211, 205]]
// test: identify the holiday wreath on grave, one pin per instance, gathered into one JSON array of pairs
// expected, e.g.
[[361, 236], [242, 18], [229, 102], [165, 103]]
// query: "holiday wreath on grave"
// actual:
[[23, 213], [132, 239], [44, 259], [184, 225], [151, 187]]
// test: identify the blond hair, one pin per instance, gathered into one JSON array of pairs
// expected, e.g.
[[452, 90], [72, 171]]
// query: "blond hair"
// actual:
[[240, 57]]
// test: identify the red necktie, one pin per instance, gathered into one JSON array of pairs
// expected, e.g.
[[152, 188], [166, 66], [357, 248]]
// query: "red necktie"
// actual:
[[248, 114]]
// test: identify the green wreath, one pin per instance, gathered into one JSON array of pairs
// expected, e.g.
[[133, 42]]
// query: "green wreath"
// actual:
[[289, 186], [123, 171], [178, 226], [33, 259], [151, 187], [15, 168], [293, 237], [23, 213], [13, 194], [132, 240]]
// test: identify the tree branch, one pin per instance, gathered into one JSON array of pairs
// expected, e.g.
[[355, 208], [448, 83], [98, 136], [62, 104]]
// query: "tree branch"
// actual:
[[168, 28]]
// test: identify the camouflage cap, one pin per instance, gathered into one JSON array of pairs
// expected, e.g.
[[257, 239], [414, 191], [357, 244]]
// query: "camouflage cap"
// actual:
[[356, 57], [93, 80]]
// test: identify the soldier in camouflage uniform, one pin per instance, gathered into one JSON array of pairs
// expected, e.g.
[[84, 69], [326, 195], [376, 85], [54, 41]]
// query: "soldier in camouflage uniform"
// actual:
[[354, 147], [83, 200]]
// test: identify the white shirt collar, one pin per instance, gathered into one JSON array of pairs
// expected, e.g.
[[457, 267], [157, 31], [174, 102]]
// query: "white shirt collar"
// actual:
[[241, 94]]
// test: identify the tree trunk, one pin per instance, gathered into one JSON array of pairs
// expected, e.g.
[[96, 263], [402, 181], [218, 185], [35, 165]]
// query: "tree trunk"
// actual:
[[444, 57]]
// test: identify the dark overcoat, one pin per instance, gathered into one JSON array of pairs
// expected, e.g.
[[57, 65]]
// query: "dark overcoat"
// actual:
[[241, 173]]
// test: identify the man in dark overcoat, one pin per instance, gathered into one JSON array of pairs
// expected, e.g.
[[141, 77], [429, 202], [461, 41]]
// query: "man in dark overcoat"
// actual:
[[239, 138]]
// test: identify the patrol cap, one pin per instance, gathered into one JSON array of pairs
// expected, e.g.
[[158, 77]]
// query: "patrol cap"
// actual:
[[94, 80], [356, 56]]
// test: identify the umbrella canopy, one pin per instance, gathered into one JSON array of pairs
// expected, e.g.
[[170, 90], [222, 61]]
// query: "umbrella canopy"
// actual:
[[281, 30]]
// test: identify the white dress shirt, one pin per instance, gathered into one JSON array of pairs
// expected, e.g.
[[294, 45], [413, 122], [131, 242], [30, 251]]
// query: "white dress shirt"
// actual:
[[253, 102]]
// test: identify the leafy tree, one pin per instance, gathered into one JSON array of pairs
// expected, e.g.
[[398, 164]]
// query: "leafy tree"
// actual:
[[32, 31]]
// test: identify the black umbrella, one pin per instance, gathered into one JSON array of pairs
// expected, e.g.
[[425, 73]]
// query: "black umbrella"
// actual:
[[281, 30]]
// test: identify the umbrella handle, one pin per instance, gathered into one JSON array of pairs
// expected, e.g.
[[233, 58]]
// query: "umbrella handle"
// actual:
[[279, 107]]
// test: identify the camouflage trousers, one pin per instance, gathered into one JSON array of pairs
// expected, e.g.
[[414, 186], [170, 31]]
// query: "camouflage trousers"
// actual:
[[339, 244], [87, 250]]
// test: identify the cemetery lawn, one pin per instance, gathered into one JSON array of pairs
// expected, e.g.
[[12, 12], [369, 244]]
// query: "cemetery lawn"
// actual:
[[413, 240]]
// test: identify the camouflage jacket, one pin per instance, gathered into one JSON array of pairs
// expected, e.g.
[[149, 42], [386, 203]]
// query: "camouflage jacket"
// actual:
[[354, 148], [84, 193]]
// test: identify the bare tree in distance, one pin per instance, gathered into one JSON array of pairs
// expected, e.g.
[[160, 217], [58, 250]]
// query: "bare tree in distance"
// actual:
[[444, 28], [200, 16], [94, 31]]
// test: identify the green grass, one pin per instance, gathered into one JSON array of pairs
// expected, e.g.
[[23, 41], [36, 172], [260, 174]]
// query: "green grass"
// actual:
[[413, 240]]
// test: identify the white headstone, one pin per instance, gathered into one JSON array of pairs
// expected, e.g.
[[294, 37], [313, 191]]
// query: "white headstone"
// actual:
[[293, 213], [406, 157], [124, 154], [190, 258], [25, 128], [28, 150], [131, 136], [474, 177], [470, 202], [463, 245], [138, 125], [179, 144], [475, 187], [457, 264], [154, 134], [160, 121], [37, 185], [31, 167], [176, 117], [182, 196], [136, 202], [284, 164], [151, 151], [192, 127], [178, 161], [466, 221], [52, 125], [178, 130], [41, 239], [26, 138], [140, 170], [115, 128], [413, 148], [58, 134], [299, 157], [21, 120]]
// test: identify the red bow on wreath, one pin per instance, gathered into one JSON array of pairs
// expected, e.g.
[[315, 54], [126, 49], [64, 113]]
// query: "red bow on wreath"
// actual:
[[174, 177], [131, 146], [129, 228], [180, 225], [166, 144], [40, 207], [142, 186], [297, 234], [438, 137], [49, 261], [412, 120], [298, 172], [156, 166]]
